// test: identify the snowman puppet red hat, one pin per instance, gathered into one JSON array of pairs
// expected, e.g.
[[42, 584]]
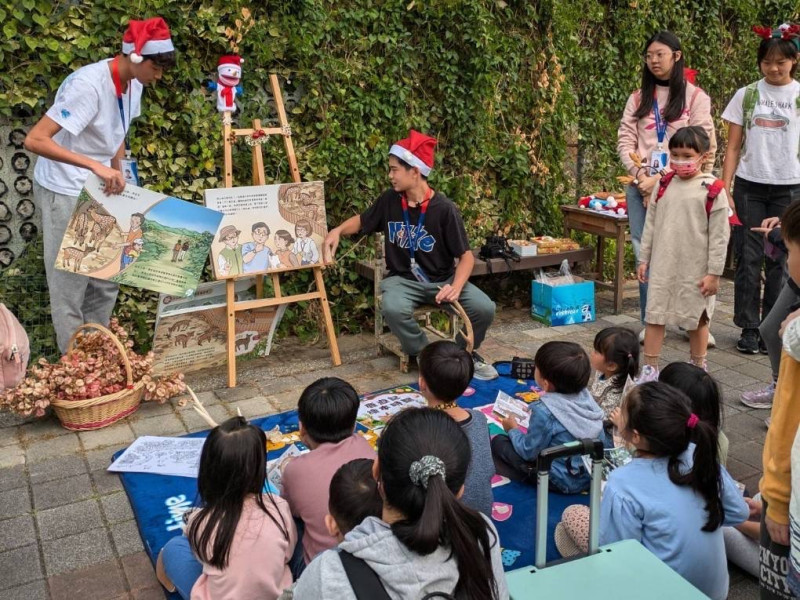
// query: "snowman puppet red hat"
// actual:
[[150, 36], [229, 69], [416, 150]]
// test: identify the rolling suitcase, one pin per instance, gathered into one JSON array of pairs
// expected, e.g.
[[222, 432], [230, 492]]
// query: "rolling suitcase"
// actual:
[[624, 570]]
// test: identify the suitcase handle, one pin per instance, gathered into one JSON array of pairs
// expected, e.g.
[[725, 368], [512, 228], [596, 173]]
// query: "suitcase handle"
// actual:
[[594, 448]]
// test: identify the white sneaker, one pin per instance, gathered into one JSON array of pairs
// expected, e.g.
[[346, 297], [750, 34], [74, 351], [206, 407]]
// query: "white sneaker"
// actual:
[[483, 370], [712, 342], [641, 336]]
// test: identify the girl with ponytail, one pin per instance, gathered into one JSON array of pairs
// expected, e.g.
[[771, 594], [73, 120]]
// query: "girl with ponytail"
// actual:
[[427, 543], [674, 496]]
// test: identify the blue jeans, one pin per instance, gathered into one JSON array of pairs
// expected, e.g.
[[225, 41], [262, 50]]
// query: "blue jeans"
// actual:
[[754, 203], [181, 565], [636, 216]]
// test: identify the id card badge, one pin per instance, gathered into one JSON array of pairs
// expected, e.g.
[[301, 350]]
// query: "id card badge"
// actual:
[[130, 170], [659, 158], [418, 273]]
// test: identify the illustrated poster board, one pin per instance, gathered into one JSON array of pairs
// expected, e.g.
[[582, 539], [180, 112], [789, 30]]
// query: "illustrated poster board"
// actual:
[[190, 333], [268, 228], [375, 410], [139, 238]]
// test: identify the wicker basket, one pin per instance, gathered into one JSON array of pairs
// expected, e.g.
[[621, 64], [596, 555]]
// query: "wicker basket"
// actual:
[[95, 413]]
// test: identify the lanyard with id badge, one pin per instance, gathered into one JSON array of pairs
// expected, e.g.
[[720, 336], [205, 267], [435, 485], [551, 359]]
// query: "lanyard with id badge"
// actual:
[[659, 158], [413, 239], [128, 165]]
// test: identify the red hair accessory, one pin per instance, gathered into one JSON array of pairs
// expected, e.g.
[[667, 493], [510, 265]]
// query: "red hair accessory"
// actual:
[[693, 420], [689, 74], [762, 31]]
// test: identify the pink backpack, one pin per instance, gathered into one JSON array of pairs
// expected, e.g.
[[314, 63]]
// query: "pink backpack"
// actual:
[[15, 350]]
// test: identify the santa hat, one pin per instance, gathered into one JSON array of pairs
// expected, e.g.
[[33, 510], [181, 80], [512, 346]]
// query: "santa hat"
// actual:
[[230, 60], [150, 36], [416, 150]]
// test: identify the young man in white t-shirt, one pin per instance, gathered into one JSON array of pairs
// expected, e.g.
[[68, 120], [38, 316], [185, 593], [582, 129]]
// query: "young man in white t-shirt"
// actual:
[[85, 130]]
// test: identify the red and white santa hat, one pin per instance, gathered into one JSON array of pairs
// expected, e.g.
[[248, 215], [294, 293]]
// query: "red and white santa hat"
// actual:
[[416, 150], [150, 36], [230, 60]]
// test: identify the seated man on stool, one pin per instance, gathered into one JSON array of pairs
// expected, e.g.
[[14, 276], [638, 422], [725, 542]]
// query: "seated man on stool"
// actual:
[[424, 235]]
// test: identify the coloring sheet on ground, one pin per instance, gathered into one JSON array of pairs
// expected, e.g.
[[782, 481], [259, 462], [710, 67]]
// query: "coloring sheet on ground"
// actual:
[[275, 467], [376, 409], [161, 456], [140, 238]]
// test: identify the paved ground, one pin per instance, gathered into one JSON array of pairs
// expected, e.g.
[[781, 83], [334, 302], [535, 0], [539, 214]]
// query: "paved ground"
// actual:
[[66, 527]]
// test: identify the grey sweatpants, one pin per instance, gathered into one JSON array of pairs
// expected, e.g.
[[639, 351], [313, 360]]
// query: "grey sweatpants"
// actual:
[[74, 299], [401, 296], [772, 323]]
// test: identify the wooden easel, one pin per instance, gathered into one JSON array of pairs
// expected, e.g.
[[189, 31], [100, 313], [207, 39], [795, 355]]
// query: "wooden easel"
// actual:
[[230, 136]]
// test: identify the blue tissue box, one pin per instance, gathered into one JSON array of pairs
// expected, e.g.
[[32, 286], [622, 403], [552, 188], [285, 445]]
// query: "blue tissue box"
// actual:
[[563, 304]]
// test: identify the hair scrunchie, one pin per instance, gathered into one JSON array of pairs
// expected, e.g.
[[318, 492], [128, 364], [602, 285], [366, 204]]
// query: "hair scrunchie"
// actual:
[[426, 467], [693, 420]]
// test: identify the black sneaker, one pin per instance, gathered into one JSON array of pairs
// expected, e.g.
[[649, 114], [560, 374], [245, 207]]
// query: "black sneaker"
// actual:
[[762, 347], [748, 342]]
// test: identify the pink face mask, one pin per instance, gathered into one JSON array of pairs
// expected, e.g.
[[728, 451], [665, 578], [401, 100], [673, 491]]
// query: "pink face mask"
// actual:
[[685, 168]]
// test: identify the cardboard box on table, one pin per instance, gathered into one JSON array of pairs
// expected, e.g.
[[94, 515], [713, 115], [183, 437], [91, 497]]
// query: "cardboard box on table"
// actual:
[[563, 304]]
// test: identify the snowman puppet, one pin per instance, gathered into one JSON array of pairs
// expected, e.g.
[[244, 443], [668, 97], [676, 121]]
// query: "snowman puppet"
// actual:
[[229, 74]]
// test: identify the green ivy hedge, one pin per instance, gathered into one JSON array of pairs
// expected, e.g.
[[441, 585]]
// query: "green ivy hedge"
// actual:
[[510, 87]]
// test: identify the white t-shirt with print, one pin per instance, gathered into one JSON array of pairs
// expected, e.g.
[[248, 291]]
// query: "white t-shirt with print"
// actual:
[[87, 110], [771, 145]]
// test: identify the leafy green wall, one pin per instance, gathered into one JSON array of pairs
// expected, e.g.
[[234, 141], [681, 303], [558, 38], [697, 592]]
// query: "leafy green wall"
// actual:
[[511, 88]]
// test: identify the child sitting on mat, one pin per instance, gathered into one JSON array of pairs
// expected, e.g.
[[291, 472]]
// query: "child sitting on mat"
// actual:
[[327, 412], [673, 497], [445, 371], [238, 543], [565, 412], [354, 496], [614, 358]]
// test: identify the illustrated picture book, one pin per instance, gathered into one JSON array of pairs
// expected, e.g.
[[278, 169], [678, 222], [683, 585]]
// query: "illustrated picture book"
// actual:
[[139, 238], [376, 409], [268, 228], [191, 333]]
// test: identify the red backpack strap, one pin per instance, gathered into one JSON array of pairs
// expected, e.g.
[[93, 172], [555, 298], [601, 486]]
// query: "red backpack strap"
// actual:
[[713, 191], [662, 185]]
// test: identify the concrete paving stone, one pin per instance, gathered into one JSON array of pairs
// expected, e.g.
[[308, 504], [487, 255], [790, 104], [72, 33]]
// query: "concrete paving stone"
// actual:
[[101, 458], [36, 590], [751, 484], [99, 581], [368, 385], [57, 468], [620, 319], [17, 532], [728, 358], [126, 538], [117, 507], [545, 333], [9, 435], [77, 552], [286, 383], [114, 435], [14, 503], [207, 398], [284, 401], [61, 491], [11, 456], [304, 379], [254, 407], [756, 370], [12, 478], [240, 392], [37, 450], [151, 593], [68, 519], [165, 425], [194, 422], [734, 378], [19, 566], [139, 571], [106, 482], [750, 453], [747, 425], [46, 427]]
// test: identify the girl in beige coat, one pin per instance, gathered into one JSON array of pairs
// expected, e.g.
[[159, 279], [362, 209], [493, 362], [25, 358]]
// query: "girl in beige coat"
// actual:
[[683, 249]]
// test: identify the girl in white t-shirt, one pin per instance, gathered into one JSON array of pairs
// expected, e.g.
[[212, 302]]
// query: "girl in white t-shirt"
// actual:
[[763, 154]]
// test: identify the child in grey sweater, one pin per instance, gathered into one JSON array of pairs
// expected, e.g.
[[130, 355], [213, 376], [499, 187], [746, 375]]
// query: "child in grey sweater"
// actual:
[[445, 371]]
